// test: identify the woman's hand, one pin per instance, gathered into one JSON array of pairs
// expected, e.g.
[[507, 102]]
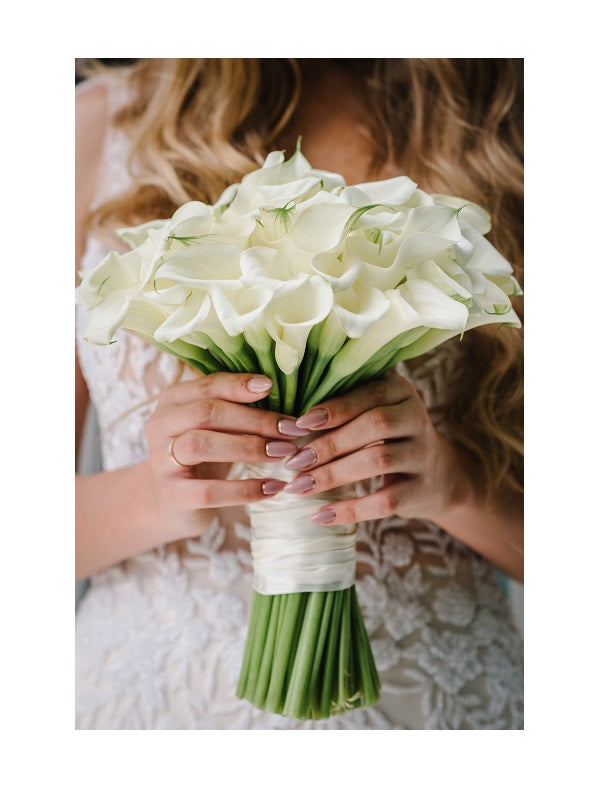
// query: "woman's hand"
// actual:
[[199, 428], [381, 428]]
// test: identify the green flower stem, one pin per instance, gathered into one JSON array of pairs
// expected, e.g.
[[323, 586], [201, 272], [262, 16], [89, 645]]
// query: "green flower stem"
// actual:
[[283, 651], [259, 634], [290, 387], [266, 365], [320, 647], [266, 661], [195, 356], [331, 657], [296, 700], [344, 654], [368, 671]]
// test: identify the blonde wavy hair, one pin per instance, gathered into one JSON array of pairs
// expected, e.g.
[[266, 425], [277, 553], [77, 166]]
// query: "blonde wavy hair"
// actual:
[[455, 126]]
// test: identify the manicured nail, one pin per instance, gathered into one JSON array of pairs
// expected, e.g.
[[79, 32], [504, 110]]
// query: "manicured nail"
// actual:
[[259, 385], [304, 458], [303, 483], [280, 449], [272, 487], [324, 515], [289, 428], [314, 418]]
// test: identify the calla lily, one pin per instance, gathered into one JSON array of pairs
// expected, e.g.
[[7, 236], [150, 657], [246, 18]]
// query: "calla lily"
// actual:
[[485, 258], [193, 210], [357, 309], [321, 227], [267, 267], [113, 284], [292, 316], [201, 266], [191, 315], [431, 272], [390, 192], [469, 212], [429, 230], [238, 307], [339, 271]]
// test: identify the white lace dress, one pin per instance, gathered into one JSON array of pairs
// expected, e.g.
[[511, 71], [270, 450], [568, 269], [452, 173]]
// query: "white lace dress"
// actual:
[[160, 638]]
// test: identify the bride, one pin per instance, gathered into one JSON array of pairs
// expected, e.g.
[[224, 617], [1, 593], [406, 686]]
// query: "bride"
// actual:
[[162, 533]]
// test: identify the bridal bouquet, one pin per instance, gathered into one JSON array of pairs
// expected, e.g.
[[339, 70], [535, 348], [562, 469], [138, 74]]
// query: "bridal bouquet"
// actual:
[[320, 286]]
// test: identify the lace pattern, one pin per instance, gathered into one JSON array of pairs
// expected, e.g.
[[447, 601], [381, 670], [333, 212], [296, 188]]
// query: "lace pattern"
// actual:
[[160, 637]]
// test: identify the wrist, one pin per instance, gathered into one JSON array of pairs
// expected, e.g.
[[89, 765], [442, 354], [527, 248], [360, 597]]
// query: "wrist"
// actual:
[[462, 484]]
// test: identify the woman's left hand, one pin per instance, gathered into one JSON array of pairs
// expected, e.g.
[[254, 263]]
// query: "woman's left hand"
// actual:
[[381, 428]]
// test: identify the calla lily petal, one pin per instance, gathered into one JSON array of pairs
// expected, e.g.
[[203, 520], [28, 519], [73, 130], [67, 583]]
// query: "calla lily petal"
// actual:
[[433, 306], [186, 318], [238, 307], [485, 258], [266, 267], [390, 192], [429, 271], [340, 274], [107, 318], [202, 265], [358, 310], [320, 227], [475, 215]]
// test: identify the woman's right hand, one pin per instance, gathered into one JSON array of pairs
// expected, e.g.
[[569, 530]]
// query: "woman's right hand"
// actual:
[[204, 425]]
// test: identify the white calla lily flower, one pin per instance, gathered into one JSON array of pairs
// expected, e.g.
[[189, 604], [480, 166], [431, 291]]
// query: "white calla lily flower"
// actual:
[[390, 192], [476, 216], [358, 308], [339, 271], [267, 267], [431, 272], [321, 227], [201, 266], [484, 257], [237, 307], [111, 286], [291, 317], [191, 315]]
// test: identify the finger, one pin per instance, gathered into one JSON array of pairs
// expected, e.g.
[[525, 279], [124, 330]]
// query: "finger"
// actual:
[[193, 493], [400, 421], [202, 446], [239, 388], [379, 505], [221, 415], [339, 410], [384, 459]]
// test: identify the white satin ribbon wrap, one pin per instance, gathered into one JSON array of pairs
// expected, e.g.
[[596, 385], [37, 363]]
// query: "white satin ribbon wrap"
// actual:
[[292, 554]]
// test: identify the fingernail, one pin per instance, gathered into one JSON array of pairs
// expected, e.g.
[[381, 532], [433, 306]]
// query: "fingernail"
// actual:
[[314, 418], [259, 385], [289, 428], [280, 449], [304, 458], [272, 487], [324, 515], [303, 483]]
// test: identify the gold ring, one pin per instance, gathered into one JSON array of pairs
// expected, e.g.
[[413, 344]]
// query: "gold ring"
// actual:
[[172, 457]]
